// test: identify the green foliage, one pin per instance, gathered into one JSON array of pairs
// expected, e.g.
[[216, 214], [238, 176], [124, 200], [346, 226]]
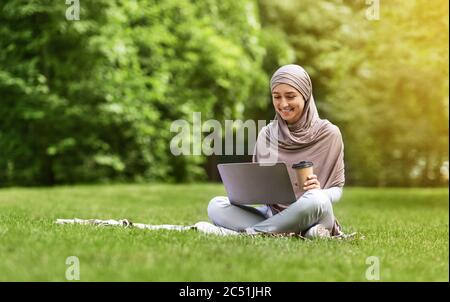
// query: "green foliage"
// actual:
[[384, 82], [93, 100]]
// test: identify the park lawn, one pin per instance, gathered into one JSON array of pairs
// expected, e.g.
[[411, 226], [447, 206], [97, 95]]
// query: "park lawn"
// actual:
[[407, 229]]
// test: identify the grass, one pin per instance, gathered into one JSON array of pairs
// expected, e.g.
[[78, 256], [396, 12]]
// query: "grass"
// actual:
[[407, 229]]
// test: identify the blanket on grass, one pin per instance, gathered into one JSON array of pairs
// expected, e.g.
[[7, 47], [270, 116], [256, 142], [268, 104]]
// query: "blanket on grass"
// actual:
[[201, 226]]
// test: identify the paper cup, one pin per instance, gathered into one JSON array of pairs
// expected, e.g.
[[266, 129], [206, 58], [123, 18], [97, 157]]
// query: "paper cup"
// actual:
[[303, 169]]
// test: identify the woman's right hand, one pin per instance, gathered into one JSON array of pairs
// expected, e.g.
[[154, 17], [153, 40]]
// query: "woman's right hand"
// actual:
[[311, 183]]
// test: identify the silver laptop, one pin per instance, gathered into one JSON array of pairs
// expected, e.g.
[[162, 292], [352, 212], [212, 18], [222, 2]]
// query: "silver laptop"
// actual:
[[255, 183]]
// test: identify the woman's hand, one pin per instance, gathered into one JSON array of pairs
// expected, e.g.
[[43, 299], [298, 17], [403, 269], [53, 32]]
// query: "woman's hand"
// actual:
[[311, 183]]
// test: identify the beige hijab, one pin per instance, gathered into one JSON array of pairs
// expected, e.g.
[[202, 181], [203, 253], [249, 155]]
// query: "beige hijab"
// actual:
[[310, 138]]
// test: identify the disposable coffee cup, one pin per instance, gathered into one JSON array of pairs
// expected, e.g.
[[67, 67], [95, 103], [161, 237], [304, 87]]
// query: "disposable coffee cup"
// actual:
[[303, 169]]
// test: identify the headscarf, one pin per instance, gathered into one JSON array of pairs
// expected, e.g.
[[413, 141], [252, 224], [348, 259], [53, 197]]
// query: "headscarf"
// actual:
[[310, 138]]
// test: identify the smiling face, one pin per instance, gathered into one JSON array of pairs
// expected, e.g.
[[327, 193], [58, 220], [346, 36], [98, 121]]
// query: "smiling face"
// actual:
[[288, 102]]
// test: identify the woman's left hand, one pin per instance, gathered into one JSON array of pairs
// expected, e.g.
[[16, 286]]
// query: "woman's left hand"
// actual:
[[311, 183]]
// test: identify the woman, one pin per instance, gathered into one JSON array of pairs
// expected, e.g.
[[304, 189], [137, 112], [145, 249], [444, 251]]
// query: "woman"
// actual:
[[296, 133]]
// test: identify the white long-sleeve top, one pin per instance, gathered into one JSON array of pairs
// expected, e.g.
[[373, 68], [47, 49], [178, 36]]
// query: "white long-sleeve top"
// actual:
[[334, 193]]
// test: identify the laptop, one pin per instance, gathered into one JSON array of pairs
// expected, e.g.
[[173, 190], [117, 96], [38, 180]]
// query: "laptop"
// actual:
[[256, 183]]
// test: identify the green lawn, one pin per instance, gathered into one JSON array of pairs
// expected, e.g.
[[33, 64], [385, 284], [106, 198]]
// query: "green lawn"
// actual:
[[406, 228]]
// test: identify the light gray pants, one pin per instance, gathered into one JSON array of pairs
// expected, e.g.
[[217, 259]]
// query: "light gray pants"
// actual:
[[313, 207]]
